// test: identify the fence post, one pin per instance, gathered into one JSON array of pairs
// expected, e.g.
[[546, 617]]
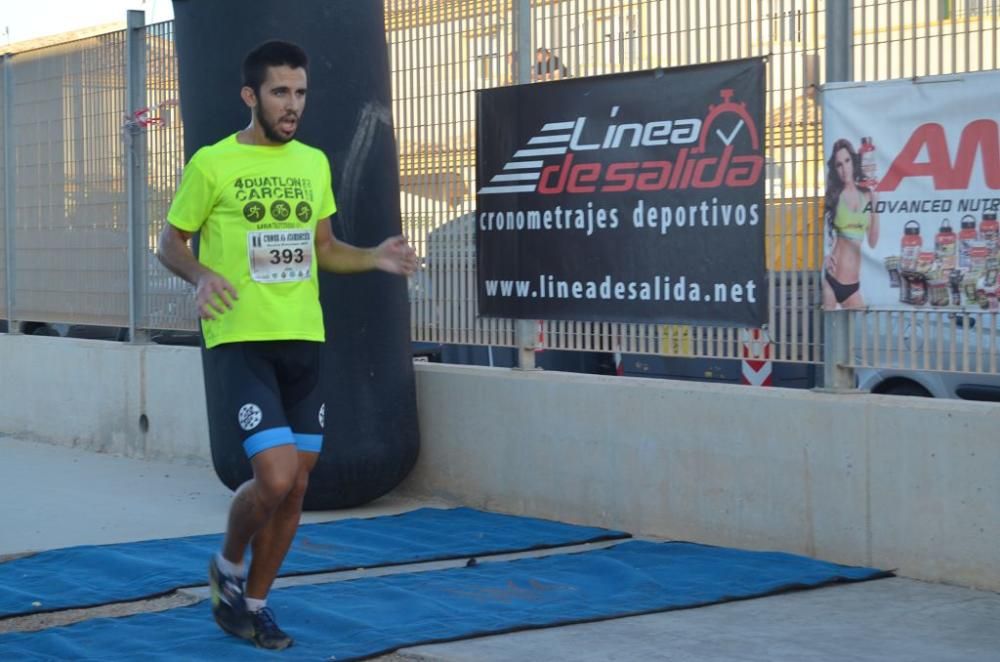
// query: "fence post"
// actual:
[[836, 324], [10, 189], [527, 330], [135, 178]]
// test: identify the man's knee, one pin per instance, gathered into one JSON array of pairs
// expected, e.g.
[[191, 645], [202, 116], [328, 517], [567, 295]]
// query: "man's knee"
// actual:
[[273, 488], [298, 490], [275, 473], [307, 462]]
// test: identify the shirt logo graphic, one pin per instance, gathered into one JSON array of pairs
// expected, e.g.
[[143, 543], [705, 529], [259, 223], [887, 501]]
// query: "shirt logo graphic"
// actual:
[[280, 210], [303, 211], [254, 212]]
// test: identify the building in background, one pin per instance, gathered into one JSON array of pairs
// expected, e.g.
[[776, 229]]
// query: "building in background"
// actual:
[[71, 125]]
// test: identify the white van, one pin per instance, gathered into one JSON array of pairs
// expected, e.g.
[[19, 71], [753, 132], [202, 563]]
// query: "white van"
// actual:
[[930, 354]]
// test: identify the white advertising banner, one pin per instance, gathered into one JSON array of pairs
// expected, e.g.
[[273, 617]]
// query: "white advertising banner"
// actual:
[[912, 172]]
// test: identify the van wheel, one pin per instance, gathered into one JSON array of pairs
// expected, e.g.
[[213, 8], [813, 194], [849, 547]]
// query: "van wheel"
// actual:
[[36, 329], [907, 388]]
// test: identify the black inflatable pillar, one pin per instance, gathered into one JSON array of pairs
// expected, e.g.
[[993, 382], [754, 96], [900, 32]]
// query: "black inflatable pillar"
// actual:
[[371, 440]]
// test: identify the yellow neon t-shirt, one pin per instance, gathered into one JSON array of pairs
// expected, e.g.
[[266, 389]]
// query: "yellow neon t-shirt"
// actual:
[[256, 208]]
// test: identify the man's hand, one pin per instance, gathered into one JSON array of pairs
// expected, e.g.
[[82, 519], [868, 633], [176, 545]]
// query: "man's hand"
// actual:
[[395, 256], [214, 295]]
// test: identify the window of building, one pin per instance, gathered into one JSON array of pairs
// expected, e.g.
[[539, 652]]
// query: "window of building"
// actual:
[[960, 9], [619, 35], [779, 20]]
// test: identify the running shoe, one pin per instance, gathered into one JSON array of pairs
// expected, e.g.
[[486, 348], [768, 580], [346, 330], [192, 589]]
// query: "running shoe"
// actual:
[[228, 606], [266, 633]]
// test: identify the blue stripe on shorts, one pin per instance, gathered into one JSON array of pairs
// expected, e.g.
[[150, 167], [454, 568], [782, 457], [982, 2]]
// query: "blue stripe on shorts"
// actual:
[[266, 439], [308, 443]]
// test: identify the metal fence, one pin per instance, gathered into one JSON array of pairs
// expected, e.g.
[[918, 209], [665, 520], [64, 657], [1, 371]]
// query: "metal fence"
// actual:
[[6, 182], [70, 220], [168, 302], [443, 51], [902, 39], [92, 140]]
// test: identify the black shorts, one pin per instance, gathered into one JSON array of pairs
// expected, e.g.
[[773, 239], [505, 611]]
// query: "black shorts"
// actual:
[[272, 392]]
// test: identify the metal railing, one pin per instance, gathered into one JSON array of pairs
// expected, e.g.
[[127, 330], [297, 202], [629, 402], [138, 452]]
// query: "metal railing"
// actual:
[[6, 184], [169, 303], [70, 220], [452, 50], [904, 39], [92, 145]]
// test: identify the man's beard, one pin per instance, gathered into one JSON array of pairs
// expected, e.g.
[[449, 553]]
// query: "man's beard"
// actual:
[[271, 131]]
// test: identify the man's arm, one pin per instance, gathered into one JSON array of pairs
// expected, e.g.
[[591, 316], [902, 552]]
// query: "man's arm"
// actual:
[[213, 293], [393, 255]]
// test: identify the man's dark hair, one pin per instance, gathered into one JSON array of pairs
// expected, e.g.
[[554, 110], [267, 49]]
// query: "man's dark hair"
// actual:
[[271, 54]]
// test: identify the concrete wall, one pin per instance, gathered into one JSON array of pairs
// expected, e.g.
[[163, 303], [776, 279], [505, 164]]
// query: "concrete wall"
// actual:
[[899, 483], [891, 482], [92, 394]]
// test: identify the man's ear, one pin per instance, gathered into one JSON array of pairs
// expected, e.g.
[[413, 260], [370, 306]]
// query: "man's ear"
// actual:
[[249, 96]]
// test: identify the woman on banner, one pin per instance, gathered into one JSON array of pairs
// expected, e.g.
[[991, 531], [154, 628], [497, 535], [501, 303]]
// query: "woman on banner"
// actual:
[[850, 219]]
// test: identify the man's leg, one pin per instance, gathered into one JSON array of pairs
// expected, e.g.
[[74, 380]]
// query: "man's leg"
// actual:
[[270, 545], [272, 541], [299, 383], [253, 506], [260, 499]]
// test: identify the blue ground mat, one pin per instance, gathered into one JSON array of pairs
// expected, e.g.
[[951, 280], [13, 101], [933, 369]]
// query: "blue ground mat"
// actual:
[[93, 575], [361, 618]]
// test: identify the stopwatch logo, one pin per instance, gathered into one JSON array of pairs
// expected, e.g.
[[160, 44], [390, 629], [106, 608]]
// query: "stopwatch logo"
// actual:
[[616, 155], [728, 106]]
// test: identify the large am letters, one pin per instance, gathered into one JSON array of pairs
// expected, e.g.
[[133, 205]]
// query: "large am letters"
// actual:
[[978, 137]]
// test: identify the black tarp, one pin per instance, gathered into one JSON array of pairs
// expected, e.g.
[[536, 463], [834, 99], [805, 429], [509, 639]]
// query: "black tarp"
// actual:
[[372, 439]]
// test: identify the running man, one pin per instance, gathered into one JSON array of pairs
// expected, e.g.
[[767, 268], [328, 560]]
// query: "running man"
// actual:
[[262, 203]]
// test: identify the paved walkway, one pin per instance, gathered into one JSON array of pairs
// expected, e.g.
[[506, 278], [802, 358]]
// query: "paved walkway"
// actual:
[[55, 496]]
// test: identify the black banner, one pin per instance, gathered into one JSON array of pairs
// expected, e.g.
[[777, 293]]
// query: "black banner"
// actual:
[[635, 197]]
